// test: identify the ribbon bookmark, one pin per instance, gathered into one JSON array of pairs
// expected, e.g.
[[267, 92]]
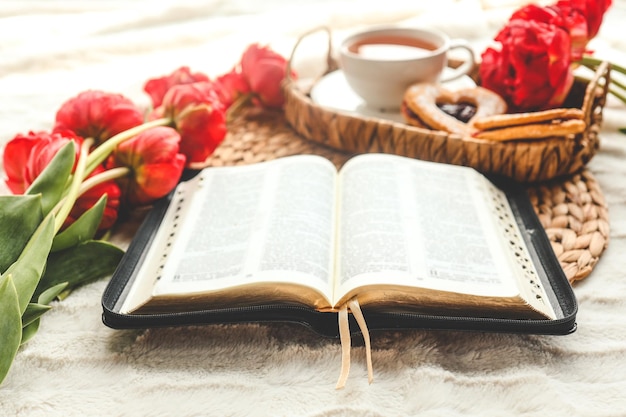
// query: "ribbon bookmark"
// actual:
[[344, 336]]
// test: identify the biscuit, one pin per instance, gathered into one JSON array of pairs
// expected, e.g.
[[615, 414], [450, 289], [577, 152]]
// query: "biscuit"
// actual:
[[508, 120], [410, 117], [533, 131], [421, 100]]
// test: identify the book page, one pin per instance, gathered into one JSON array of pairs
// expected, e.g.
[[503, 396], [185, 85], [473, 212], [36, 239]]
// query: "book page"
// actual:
[[267, 222], [419, 224]]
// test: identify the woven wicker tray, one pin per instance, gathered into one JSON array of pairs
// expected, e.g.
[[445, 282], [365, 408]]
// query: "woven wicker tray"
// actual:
[[572, 209], [522, 160]]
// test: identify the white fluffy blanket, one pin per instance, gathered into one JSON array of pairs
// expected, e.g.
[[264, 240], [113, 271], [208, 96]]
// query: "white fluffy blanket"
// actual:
[[75, 366]]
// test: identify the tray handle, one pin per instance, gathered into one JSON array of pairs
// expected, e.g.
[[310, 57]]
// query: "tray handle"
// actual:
[[331, 63], [597, 89]]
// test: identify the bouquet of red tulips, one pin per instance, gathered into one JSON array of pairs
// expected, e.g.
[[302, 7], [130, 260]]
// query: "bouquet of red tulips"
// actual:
[[532, 61], [104, 155]]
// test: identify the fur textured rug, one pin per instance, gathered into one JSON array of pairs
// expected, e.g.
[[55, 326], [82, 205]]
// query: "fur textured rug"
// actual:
[[75, 366]]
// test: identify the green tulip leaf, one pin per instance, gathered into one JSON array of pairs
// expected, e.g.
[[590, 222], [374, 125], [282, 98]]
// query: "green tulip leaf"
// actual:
[[33, 312], [20, 215], [81, 264], [31, 319], [29, 331], [10, 324], [28, 269], [82, 229], [51, 293], [53, 179]]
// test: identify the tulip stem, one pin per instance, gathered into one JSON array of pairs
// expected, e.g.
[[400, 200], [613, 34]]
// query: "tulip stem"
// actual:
[[590, 61], [64, 207], [241, 101], [108, 175], [618, 94], [616, 87], [104, 150]]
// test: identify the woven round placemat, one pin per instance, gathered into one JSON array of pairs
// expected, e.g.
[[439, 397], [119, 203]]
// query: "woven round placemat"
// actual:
[[572, 209]]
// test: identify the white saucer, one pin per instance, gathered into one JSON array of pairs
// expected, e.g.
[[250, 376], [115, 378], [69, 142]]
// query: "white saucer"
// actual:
[[333, 92]]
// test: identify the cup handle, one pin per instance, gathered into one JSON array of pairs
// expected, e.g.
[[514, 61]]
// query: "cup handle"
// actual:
[[464, 68]]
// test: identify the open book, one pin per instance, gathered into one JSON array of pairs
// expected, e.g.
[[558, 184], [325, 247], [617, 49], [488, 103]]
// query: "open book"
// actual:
[[398, 234]]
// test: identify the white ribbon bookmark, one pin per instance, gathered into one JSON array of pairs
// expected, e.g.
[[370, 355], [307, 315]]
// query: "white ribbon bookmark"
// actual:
[[344, 337]]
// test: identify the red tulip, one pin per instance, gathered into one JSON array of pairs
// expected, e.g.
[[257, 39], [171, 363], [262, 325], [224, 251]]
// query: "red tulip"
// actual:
[[98, 115], [264, 70], [154, 161], [574, 24], [15, 157], [231, 86], [547, 15], [580, 18], [592, 11], [158, 87], [25, 158], [530, 68], [199, 117]]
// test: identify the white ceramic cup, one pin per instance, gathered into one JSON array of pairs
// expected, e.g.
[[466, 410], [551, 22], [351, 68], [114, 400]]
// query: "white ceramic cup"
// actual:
[[380, 64]]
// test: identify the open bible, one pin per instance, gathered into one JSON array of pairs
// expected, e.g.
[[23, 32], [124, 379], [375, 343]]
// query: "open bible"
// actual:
[[292, 239]]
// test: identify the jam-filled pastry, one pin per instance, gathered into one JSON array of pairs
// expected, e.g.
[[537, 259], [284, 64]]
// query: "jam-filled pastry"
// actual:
[[424, 105]]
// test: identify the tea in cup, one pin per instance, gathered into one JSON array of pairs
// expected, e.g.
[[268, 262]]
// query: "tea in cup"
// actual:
[[380, 64]]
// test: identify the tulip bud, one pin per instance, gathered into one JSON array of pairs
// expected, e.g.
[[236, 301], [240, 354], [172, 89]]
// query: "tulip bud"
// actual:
[[154, 162], [98, 115], [158, 87], [199, 117]]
